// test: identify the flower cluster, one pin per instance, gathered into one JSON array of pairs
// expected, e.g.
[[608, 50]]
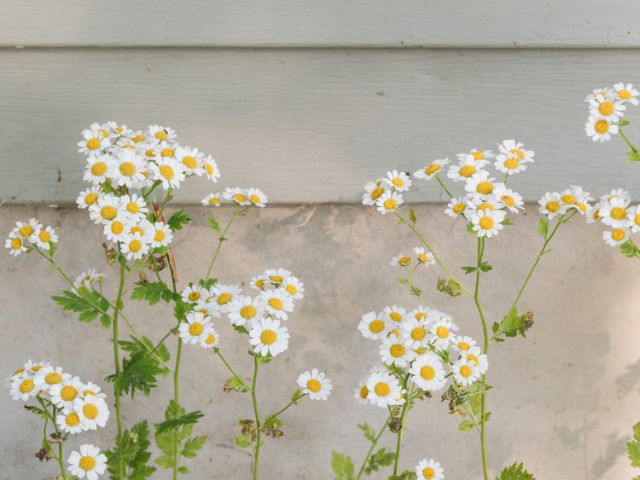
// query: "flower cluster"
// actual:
[[569, 201], [622, 219], [33, 232], [606, 110], [422, 258]]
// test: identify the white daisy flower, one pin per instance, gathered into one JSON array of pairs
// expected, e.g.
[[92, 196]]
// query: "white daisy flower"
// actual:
[[169, 171], [480, 360], [429, 469], [633, 217], [511, 148], [257, 197], [401, 181], [362, 393], [99, 168], [421, 314], [599, 129], [465, 169], [91, 388], [134, 206], [462, 343], [626, 93], [162, 134], [487, 223], [423, 256], [117, 229], [44, 237], [389, 202], [237, 195], [84, 279], [143, 227], [401, 260], [476, 155], [134, 246], [224, 295], [277, 276], [605, 108], [130, 169], [93, 142], [384, 390], [315, 384], [212, 339], [431, 170], [465, 372], [213, 199], [211, 168], [268, 337], [456, 207], [258, 282], [415, 332], [614, 213], [117, 129], [593, 212], [196, 328], [69, 422], [619, 192], [47, 377], [509, 198], [162, 235], [64, 394], [394, 314], [575, 198], [88, 197], [428, 373], [87, 462], [191, 159], [616, 237], [245, 309], [15, 244], [294, 287], [105, 210], [373, 191], [373, 326], [26, 229], [550, 205], [396, 351], [510, 165], [480, 184], [93, 411], [606, 92], [443, 333], [277, 302], [23, 388], [489, 203], [193, 293]]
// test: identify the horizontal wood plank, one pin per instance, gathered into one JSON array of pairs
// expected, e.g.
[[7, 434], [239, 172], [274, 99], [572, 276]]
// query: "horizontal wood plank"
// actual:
[[310, 125], [378, 23]]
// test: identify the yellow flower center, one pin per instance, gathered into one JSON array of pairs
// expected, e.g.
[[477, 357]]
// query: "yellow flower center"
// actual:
[[485, 188], [636, 219], [601, 126], [16, 243], [568, 199], [518, 153], [20, 370], [108, 212], [196, 328], [464, 346], [248, 311], [214, 200], [552, 206], [167, 172], [473, 358], [91, 198], [418, 333], [485, 206], [68, 393], [90, 411], [314, 385], [210, 340], [606, 108], [240, 198], [193, 296], [254, 198], [486, 223], [390, 204], [89, 392], [275, 303], [442, 332], [364, 392], [168, 152], [268, 337], [87, 463], [93, 144], [618, 213], [427, 372], [382, 389], [224, 298], [53, 378], [376, 326], [138, 139], [117, 228], [159, 236], [98, 169], [508, 200], [431, 169], [26, 386], [44, 236], [428, 473], [397, 350], [376, 193], [189, 162], [133, 207], [209, 168], [26, 231], [511, 163], [150, 153], [420, 315], [404, 261], [128, 169], [458, 208], [161, 135], [467, 170], [276, 278], [397, 182], [291, 289], [624, 94], [72, 419], [478, 155], [618, 235], [135, 246], [395, 316], [465, 371]]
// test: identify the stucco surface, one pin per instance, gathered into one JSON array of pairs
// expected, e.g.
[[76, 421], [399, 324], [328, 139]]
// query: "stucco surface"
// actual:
[[563, 402]]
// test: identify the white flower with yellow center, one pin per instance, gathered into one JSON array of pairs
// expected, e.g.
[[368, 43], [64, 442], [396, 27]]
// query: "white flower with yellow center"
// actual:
[[99, 168], [467, 168], [196, 328], [633, 216], [508, 198], [257, 197], [607, 108], [384, 390], [627, 93], [168, 150], [88, 197], [118, 228], [618, 192], [44, 237], [575, 198], [616, 236], [91, 388], [462, 343], [429, 469], [47, 377], [237, 195], [480, 184], [604, 92], [614, 213], [105, 210], [593, 212], [93, 142], [431, 170], [23, 387], [389, 202], [259, 281], [428, 373], [477, 155], [194, 293], [277, 276], [162, 235], [130, 169], [396, 351], [400, 181], [211, 200], [26, 229], [294, 287], [212, 340], [487, 223], [162, 134], [488, 203], [278, 302], [268, 338], [395, 315], [600, 129], [92, 410], [442, 333], [224, 295], [415, 331], [465, 372], [15, 244], [64, 394], [362, 393], [143, 227], [510, 164], [456, 207], [168, 171], [424, 256], [474, 356], [117, 130], [208, 305], [69, 422], [88, 462], [192, 160], [511, 148], [373, 326], [550, 205], [315, 384], [134, 247], [211, 168], [32, 368], [421, 314], [84, 279], [400, 260], [245, 309], [373, 191], [134, 206]]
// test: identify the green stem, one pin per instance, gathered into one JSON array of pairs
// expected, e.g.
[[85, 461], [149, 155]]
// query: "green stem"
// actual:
[[399, 439], [51, 416], [483, 396], [116, 356], [176, 398], [282, 410], [631, 145], [443, 186], [222, 238], [414, 290], [373, 445], [254, 398], [226, 364]]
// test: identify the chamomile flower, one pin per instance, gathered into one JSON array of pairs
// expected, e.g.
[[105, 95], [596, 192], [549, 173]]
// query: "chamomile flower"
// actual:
[[44, 237], [465, 372], [130, 169], [465, 169], [431, 170], [511, 148], [362, 393], [373, 326], [617, 193], [276, 276], [484, 203], [510, 164], [92, 410], [510, 199], [606, 108], [462, 343], [389, 202], [593, 212], [429, 469], [69, 422], [633, 216], [191, 159], [105, 210], [373, 191], [212, 339], [134, 206], [268, 337], [134, 247], [396, 351], [394, 314], [315, 384], [421, 314], [423, 256], [614, 213], [88, 197], [162, 134], [401, 260], [87, 462], [480, 360], [550, 204], [400, 181], [606, 92], [626, 93], [93, 142], [15, 244], [480, 184], [211, 200], [193, 293], [47, 377], [258, 282], [196, 328], [443, 333], [616, 237], [162, 235], [600, 129], [428, 373], [211, 168], [169, 171], [456, 207], [224, 295], [91, 388], [99, 168], [277, 302], [294, 287], [23, 388], [117, 229], [257, 197], [575, 198], [26, 229], [143, 227], [487, 223], [476, 155], [84, 279], [63, 394], [415, 332], [384, 389], [237, 195], [245, 309]]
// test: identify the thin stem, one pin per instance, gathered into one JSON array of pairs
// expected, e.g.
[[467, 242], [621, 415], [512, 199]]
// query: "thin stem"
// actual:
[[624, 136], [222, 238], [116, 356], [403, 414], [373, 445], [226, 364], [414, 290], [282, 410], [254, 398], [446, 190], [51, 416], [176, 390]]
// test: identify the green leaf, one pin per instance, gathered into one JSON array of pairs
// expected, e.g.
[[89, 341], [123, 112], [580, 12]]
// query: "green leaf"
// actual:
[[543, 227], [181, 309], [512, 323], [628, 249], [450, 287], [469, 270], [465, 425], [369, 432], [342, 466], [172, 423], [183, 470], [243, 441], [485, 267], [633, 156], [132, 448], [412, 216], [208, 283], [381, 458], [406, 475], [236, 384], [633, 447], [507, 221], [177, 426], [89, 304], [193, 446], [153, 292], [515, 472], [178, 220], [213, 224]]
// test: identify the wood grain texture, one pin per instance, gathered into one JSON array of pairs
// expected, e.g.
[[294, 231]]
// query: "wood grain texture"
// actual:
[[259, 23], [310, 125]]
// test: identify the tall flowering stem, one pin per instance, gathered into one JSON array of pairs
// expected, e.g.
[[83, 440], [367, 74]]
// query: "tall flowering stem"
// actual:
[[254, 400]]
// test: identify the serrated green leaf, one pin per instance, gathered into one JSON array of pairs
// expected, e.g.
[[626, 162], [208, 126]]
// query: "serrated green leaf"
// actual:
[[628, 249], [465, 425], [193, 445], [515, 472], [342, 466], [633, 447], [153, 292], [512, 323], [132, 448], [89, 304], [381, 458], [172, 423], [368, 431], [178, 220]]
